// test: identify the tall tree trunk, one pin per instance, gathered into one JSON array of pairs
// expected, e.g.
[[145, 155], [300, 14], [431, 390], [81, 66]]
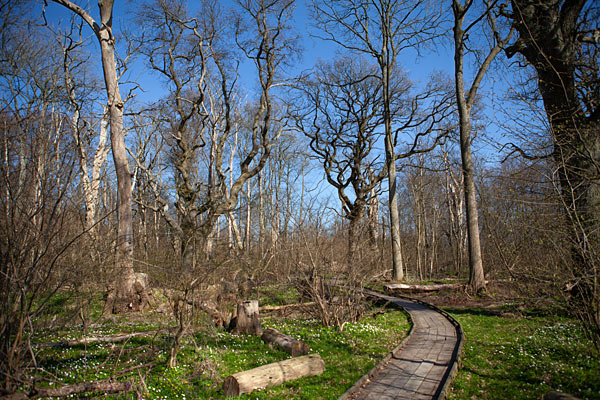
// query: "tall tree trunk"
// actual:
[[124, 296], [390, 159], [476, 275], [373, 214], [247, 238], [261, 212], [465, 101]]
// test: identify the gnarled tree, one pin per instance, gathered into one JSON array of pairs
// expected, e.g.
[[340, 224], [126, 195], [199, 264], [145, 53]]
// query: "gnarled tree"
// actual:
[[381, 29], [341, 110]]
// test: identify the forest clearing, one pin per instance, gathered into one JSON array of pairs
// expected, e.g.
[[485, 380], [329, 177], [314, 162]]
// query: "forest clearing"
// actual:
[[282, 199]]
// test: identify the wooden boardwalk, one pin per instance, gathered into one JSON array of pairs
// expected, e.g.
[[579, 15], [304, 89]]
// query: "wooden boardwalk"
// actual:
[[422, 367]]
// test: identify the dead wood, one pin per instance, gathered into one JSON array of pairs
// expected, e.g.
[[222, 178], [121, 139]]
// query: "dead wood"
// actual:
[[425, 288], [67, 390], [422, 288], [287, 306], [273, 374], [554, 395], [117, 338], [247, 319], [290, 345]]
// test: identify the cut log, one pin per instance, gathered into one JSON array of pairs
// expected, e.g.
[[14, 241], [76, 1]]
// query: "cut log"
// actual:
[[68, 390], [292, 346], [273, 374], [247, 319], [424, 288]]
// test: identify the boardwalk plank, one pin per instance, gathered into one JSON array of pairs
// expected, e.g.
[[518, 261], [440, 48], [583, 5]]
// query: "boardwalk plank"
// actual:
[[417, 370]]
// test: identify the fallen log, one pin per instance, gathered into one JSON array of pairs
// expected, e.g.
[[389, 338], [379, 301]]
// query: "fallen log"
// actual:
[[117, 338], [554, 395], [106, 386], [273, 374], [286, 306], [292, 346], [422, 288]]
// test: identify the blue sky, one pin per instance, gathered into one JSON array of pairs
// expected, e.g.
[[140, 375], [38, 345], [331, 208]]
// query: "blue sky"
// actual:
[[418, 67]]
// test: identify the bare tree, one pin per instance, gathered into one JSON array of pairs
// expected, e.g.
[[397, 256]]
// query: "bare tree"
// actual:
[[82, 129], [381, 29], [202, 120], [455, 198], [465, 101], [206, 112], [341, 111], [125, 295], [37, 169]]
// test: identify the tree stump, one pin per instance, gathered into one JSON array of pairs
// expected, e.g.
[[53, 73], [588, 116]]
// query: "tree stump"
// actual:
[[130, 293], [273, 374], [247, 319], [292, 346]]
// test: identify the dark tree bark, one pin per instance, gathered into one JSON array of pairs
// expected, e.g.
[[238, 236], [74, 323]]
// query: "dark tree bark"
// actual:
[[560, 39], [550, 41]]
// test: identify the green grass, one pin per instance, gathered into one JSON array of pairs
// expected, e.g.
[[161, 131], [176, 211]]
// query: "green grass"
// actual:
[[505, 357], [523, 357], [209, 356], [276, 295]]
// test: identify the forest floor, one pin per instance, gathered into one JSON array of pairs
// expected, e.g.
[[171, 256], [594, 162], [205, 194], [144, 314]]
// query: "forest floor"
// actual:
[[515, 348]]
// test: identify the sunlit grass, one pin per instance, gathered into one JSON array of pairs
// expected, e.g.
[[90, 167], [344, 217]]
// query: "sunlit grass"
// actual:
[[524, 357], [210, 355]]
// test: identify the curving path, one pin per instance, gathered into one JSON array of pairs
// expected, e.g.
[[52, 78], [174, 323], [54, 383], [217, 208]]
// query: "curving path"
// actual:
[[423, 365]]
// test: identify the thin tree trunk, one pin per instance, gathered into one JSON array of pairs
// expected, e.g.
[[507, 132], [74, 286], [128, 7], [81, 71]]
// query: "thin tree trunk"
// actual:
[[261, 213], [248, 217]]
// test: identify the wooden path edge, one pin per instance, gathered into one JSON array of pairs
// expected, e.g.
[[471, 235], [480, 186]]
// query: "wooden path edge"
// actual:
[[450, 373], [354, 388]]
